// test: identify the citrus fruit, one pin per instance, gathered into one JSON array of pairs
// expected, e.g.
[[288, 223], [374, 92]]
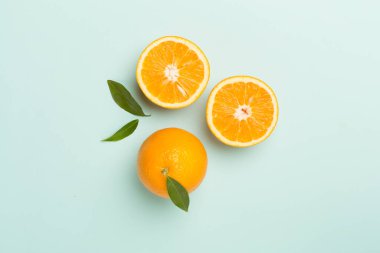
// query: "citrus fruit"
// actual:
[[242, 111], [172, 72], [171, 152]]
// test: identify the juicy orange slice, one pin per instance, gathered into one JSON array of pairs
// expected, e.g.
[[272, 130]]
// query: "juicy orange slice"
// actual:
[[242, 111], [172, 72]]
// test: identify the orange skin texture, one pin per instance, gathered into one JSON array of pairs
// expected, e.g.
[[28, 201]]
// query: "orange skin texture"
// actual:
[[177, 150]]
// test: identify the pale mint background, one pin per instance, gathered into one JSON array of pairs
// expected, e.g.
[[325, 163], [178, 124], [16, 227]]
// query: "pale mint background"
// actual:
[[313, 187]]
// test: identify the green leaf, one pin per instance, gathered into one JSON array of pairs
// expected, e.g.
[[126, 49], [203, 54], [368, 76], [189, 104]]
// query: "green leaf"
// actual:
[[125, 131], [177, 193], [124, 99]]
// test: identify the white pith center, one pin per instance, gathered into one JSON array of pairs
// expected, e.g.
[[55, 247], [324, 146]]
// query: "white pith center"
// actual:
[[243, 112], [171, 72]]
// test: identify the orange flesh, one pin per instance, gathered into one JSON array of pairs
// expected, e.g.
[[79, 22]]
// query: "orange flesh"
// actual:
[[227, 101], [190, 72]]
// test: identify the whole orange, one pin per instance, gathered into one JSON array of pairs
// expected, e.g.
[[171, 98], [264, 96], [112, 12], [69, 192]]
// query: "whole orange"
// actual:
[[173, 152]]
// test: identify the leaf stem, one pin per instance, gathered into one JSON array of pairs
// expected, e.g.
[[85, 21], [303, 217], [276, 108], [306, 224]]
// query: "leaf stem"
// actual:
[[165, 172]]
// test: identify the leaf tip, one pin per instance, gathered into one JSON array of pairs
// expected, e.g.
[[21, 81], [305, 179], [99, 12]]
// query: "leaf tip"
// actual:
[[111, 83]]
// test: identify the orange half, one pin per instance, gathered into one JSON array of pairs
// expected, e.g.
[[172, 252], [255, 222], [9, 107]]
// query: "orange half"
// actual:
[[172, 72], [242, 111]]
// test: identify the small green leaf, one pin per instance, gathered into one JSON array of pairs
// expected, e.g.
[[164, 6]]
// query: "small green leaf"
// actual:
[[124, 99], [177, 193], [125, 131]]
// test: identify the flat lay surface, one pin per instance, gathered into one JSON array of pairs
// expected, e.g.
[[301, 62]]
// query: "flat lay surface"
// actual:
[[312, 186]]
